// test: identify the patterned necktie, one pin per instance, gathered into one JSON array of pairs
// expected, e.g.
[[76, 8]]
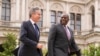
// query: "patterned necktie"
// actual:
[[67, 33], [36, 29]]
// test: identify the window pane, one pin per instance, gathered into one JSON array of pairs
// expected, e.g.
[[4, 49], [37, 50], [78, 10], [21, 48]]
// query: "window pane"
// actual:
[[5, 1], [53, 13], [3, 11], [7, 12], [3, 5], [8, 5], [78, 28], [59, 13], [71, 21], [78, 17], [2, 18], [78, 22], [7, 18], [72, 27], [72, 16], [53, 17], [59, 16]]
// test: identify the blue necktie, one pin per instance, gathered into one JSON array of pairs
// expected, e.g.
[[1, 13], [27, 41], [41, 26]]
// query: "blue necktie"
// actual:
[[36, 29]]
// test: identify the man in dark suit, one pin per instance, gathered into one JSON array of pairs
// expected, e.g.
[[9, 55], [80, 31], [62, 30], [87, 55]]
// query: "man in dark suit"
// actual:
[[29, 35], [61, 39]]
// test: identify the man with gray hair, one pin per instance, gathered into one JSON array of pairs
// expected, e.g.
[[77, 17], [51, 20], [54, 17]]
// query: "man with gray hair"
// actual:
[[29, 35]]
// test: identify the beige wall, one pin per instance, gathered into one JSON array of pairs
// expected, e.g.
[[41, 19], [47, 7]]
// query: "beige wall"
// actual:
[[20, 10]]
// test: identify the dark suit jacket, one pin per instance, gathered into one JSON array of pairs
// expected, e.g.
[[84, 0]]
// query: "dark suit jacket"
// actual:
[[29, 41], [58, 43]]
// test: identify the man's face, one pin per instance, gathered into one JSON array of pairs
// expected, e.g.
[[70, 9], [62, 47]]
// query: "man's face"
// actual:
[[64, 20], [36, 16]]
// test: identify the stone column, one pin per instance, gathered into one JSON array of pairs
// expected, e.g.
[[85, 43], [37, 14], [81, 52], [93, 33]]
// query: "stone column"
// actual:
[[23, 10], [17, 10], [85, 23], [86, 20], [0, 8], [67, 9], [15, 13], [44, 17], [27, 10], [47, 17], [97, 20], [47, 20], [13, 10]]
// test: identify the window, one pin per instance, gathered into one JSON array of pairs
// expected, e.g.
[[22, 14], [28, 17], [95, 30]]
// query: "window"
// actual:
[[6, 10], [40, 23], [72, 21], [75, 21], [55, 17], [78, 22], [93, 17], [59, 16]]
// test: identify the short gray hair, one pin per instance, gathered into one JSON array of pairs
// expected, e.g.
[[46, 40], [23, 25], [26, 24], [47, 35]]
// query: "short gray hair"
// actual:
[[33, 10]]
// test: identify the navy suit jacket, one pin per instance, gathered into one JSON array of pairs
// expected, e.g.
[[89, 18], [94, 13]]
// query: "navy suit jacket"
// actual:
[[29, 40]]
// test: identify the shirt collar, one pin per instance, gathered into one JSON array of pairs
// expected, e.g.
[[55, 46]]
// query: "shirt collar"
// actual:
[[32, 21], [66, 26]]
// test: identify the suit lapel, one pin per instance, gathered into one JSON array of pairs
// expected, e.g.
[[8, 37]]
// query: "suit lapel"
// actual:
[[32, 29], [64, 32], [71, 33]]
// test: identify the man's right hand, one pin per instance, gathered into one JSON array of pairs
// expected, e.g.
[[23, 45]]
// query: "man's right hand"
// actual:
[[39, 45]]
